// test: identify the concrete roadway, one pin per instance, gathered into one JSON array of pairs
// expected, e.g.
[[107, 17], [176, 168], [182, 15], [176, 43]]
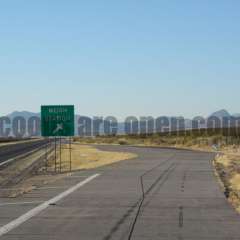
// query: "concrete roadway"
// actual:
[[183, 202]]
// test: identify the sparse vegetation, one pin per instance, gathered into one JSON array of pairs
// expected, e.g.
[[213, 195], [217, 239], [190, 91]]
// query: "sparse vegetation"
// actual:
[[227, 141], [228, 169], [194, 138]]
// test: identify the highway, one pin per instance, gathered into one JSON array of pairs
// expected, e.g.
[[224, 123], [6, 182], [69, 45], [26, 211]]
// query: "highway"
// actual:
[[182, 201], [11, 151]]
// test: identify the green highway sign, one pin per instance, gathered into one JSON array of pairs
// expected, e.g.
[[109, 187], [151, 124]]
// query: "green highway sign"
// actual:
[[57, 121]]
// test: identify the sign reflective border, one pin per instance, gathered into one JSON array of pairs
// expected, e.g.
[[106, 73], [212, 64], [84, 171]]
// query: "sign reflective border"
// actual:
[[57, 120]]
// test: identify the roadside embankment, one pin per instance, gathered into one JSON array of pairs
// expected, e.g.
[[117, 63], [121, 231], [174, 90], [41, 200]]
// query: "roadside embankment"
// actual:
[[34, 171], [227, 165]]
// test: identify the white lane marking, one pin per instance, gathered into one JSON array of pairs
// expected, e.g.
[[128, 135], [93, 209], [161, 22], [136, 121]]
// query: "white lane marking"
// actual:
[[17, 222], [20, 203]]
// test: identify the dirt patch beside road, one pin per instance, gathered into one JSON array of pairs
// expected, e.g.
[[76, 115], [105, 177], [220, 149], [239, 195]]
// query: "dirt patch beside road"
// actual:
[[227, 166], [87, 157], [83, 157], [12, 174], [228, 169]]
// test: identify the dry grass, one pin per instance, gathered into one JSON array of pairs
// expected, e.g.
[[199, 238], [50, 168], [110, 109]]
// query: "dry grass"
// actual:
[[87, 157], [224, 160], [228, 168], [235, 181], [83, 157], [16, 168]]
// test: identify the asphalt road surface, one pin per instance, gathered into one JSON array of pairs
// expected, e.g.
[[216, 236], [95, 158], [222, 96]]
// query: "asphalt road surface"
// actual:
[[10, 151], [183, 201]]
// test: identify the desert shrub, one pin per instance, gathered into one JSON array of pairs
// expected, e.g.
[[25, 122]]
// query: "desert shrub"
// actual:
[[122, 141]]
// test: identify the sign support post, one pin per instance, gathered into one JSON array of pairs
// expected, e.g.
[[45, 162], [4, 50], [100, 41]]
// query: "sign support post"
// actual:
[[70, 153], [55, 150], [46, 155], [58, 121], [60, 154]]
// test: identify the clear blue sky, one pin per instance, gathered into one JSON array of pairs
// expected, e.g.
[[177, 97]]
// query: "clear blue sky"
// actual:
[[142, 57]]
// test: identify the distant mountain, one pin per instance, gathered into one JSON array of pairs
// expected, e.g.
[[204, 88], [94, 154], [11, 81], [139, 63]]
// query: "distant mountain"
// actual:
[[221, 114], [24, 114], [237, 115], [121, 125]]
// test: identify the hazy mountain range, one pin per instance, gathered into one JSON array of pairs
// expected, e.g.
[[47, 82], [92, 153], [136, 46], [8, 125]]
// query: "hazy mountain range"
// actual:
[[221, 113], [24, 114], [188, 122]]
